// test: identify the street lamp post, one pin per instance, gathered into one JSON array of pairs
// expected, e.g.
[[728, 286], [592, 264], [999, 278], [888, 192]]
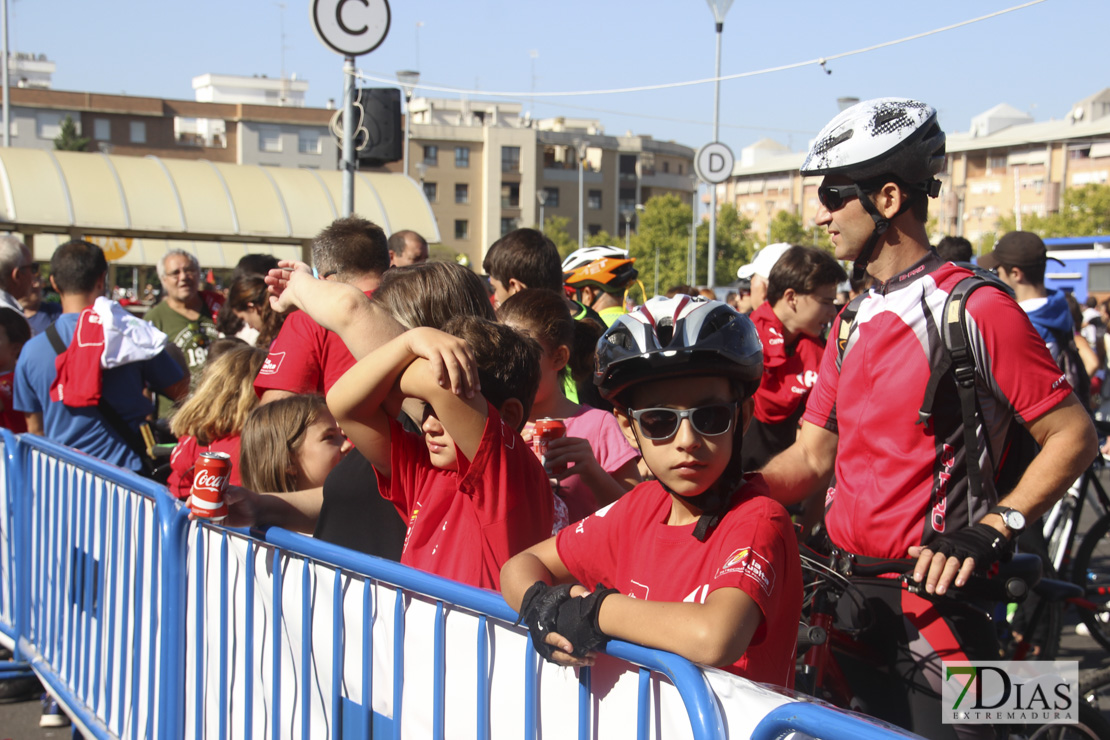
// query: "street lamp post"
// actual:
[[541, 198], [580, 147], [692, 259], [408, 79], [719, 8], [628, 213]]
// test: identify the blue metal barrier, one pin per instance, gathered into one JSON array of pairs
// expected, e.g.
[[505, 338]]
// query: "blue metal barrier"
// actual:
[[145, 624]]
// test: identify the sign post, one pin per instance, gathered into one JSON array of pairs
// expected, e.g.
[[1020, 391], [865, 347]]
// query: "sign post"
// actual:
[[351, 28], [713, 164]]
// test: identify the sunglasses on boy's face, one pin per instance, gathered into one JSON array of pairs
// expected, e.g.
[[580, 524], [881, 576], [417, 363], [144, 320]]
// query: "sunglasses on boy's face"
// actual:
[[833, 197], [663, 423]]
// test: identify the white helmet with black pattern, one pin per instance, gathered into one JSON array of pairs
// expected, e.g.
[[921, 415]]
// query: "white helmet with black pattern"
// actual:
[[880, 137], [878, 141]]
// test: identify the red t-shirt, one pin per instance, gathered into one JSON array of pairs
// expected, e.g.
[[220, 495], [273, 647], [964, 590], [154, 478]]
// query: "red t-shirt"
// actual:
[[787, 378], [9, 417], [184, 457], [629, 546], [900, 483], [465, 524], [304, 358]]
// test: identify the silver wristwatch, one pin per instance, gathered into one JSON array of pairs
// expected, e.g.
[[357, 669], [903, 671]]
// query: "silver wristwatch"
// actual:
[[1012, 518]]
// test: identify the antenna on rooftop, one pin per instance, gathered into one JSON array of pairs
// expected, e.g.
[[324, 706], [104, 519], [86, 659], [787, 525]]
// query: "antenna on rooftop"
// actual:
[[281, 17], [534, 53]]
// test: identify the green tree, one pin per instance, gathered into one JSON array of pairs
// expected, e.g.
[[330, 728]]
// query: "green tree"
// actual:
[[603, 239], [663, 238], [555, 229], [68, 140], [735, 246], [1085, 212], [787, 227]]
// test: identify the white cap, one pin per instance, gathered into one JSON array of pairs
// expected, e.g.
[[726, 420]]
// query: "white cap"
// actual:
[[764, 260]]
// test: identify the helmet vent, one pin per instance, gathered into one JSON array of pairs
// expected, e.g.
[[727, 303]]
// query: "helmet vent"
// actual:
[[665, 331]]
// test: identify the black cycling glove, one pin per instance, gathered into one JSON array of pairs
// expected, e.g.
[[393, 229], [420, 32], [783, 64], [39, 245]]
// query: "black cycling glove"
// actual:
[[980, 541], [539, 611], [578, 621]]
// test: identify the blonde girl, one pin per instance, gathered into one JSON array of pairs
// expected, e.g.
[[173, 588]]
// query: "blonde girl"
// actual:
[[212, 419]]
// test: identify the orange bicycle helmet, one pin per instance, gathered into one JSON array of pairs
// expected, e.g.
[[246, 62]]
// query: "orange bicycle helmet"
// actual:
[[608, 273]]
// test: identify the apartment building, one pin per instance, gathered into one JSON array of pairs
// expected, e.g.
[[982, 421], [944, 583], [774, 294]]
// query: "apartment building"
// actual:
[[487, 168], [238, 133], [1004, 163]]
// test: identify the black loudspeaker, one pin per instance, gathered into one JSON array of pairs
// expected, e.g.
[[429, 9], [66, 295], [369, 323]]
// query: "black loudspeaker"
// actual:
[[381, 126]]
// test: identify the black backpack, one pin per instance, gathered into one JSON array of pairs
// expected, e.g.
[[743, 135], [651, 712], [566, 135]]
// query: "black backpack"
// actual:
[[958, 360]]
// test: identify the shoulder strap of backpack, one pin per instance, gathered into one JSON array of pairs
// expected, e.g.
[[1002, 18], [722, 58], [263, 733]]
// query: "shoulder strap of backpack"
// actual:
[[131, 438], [847, 324], [958, 357]]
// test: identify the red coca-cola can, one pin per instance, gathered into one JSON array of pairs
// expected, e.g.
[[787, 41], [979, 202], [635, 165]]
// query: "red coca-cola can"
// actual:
[[547, 430], [210, 476]]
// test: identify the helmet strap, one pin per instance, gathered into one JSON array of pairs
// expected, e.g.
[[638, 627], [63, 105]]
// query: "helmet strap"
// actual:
[[859, 267]]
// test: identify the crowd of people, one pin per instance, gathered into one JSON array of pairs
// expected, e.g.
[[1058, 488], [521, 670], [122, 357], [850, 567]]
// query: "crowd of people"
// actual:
[[389, 404]]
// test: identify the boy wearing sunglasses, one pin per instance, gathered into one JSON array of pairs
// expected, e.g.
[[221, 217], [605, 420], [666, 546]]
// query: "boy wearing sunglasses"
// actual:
[[698, 561]]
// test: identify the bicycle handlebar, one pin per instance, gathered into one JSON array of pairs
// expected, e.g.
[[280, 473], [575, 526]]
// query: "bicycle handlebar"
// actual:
[[1013, 582]]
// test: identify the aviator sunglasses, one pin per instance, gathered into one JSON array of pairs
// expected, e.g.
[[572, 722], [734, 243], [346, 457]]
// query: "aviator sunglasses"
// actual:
[[662, 423], [833, 197]]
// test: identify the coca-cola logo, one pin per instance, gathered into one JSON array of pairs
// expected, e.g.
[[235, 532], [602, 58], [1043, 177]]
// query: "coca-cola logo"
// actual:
[[205, 481]]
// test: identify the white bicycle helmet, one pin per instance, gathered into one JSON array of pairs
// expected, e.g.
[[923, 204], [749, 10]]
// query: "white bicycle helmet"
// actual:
[[877, 140], [586, 255]]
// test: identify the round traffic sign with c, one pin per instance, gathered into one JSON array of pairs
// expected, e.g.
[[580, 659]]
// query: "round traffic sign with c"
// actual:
[[351, 27]]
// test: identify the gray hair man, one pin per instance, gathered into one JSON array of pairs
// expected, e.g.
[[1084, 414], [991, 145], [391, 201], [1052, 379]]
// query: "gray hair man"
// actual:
[[17, 272]]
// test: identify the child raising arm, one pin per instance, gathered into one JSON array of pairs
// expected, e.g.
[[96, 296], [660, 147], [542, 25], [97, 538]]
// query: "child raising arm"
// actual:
[[472, 492]]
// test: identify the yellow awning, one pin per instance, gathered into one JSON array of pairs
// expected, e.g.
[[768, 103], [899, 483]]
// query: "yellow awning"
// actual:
[[147, 205]]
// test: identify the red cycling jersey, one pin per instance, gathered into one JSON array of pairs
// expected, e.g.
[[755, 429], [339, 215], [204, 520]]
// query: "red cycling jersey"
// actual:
[[899, 482]]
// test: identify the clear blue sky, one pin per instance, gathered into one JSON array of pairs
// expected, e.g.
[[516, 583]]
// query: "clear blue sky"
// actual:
[[1041, 59]]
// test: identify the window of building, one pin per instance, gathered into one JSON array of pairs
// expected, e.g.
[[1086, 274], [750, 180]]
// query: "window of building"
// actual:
[[510, 195], [552, 200], [102, 129], [628, 164], [430, 191], [308, 141], [462, 156], [48, 125], [593, 229], [462, 228], [680, 168], [462, 192], [996, 163], [138, 132], [666, 167], [593, 200], [507, 225], [269, 139], [510, 159], [431, 155]]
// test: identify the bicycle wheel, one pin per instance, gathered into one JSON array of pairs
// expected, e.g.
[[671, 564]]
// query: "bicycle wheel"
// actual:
[[1092, 572], [1091, 726], [1094, 687]]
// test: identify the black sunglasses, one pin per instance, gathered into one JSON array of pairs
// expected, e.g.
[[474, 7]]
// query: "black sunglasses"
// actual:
[[662, 423], [833, 197]]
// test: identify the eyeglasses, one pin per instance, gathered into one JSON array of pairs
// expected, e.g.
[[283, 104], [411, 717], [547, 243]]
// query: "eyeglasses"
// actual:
[[33, 267], [662, 423], [833, 197], [188, 271]]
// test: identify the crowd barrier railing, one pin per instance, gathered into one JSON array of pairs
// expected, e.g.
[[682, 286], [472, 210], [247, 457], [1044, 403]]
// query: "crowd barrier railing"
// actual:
[[145, 624]]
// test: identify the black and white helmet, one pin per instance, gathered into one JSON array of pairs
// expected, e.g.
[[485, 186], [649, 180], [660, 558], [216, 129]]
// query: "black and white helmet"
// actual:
[[884, 136], [676, 337], [586, 255]]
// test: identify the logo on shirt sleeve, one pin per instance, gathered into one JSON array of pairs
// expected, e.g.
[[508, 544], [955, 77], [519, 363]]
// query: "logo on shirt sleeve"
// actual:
[[272, 363], [748, 562]]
